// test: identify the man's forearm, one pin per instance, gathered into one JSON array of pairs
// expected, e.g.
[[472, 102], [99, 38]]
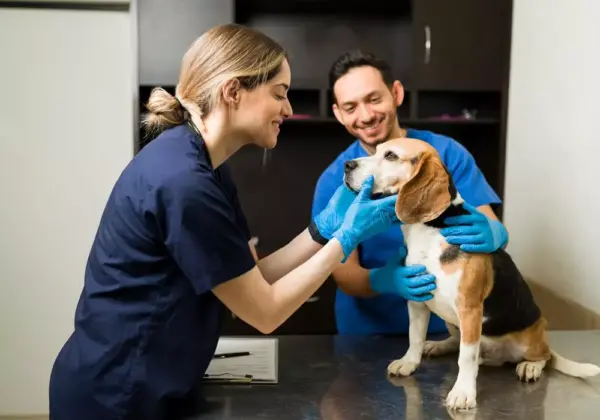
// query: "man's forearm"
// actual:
[[487, 210], [284, 260], [353, 279]]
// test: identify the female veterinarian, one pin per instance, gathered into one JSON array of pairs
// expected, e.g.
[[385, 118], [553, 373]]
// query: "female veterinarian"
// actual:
[[173, 245]]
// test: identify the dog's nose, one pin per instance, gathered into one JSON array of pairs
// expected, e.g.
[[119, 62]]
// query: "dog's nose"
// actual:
[[350, 165]]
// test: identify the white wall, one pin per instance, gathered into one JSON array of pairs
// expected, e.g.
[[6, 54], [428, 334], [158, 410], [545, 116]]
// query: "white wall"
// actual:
[[552, 185], [66, 132]]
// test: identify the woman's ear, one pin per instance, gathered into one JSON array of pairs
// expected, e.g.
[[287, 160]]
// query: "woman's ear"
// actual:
[[426, 195], [232, 92]]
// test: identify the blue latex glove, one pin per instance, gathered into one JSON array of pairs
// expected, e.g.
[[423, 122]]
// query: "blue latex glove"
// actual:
[[365, 218], [475, 232], [411, 282], [331, 217]]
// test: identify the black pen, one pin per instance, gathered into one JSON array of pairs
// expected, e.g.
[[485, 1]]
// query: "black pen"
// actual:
[[228, 355]]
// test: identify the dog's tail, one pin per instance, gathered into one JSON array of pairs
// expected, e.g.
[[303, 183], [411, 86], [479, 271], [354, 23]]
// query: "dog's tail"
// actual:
[[569, 367]]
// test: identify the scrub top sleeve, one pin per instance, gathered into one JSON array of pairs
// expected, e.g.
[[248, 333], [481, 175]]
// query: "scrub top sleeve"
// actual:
[[202, 232], [467, 176]]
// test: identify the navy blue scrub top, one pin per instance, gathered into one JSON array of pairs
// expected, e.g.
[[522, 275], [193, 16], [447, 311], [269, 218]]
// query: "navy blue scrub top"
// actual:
[[147, 323]]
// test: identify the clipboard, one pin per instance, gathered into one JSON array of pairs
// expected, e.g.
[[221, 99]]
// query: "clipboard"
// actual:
[[261, 366]]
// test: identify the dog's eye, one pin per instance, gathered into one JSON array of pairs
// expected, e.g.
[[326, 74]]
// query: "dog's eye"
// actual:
[[389, 155]]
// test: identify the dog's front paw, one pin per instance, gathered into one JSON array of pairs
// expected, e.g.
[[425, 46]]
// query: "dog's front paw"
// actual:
[[462, 397], [402, 367], [462, 414], [441, 347], [530, 371]]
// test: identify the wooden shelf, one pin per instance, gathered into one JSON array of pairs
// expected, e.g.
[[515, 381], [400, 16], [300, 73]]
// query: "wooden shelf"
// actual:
[[457, 121], [409, 121]]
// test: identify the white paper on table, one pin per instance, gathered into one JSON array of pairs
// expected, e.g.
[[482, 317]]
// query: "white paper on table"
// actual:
[[261, 364]]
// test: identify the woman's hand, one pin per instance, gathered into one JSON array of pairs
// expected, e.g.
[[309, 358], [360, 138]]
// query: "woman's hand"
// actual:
[[331, 217], [365, 218]]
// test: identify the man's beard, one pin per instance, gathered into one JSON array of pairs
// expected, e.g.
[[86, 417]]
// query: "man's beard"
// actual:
[[384, 137], [373, 144]]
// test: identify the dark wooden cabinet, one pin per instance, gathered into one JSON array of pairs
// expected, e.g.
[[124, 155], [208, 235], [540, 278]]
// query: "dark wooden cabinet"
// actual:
[[461, 44], [452, 57]]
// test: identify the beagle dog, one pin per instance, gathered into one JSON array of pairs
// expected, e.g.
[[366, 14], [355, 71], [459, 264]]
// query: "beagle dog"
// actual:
[[488, 308]]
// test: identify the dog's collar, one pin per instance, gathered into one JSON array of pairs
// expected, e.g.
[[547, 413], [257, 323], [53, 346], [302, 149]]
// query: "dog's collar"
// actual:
[[455, 208]]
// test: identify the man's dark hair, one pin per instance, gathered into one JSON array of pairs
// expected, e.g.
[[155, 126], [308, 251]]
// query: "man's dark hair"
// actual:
[[358, 58]]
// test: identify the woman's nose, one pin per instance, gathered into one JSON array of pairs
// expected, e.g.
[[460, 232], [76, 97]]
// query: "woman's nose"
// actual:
[[287, 110]]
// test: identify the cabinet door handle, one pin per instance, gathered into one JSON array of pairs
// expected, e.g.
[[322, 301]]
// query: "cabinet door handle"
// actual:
[[313, 299], [427, 44]]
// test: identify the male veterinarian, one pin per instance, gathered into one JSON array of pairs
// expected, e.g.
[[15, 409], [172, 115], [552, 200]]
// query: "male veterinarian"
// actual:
[[373, 284]]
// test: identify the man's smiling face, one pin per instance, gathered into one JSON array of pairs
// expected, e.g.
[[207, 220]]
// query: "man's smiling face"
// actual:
[[366, 106]]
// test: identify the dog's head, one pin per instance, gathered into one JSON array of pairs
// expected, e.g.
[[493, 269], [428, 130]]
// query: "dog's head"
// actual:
[[413, 170]]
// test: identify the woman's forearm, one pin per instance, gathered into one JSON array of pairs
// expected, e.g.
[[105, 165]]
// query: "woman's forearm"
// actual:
[[295, 288], [284, 260], [266, 306]]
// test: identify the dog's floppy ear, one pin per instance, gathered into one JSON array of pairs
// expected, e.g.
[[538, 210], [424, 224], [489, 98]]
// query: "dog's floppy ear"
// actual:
[[427, 194]]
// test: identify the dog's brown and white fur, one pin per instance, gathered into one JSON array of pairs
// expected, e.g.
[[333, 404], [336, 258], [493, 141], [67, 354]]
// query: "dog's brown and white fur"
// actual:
[[488, 308]]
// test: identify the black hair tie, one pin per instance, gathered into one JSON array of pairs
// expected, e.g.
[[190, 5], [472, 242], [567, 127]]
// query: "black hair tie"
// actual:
[[179, 102], [183, 110]]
